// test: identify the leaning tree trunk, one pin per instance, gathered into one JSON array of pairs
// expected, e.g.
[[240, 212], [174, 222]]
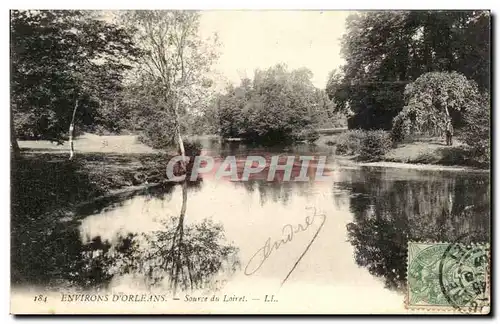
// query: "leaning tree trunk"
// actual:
[[72, 132], [180, 236], [180, 230]]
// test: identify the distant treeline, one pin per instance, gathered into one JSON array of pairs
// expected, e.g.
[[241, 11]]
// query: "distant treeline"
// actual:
[[110, 75], [277, 105]]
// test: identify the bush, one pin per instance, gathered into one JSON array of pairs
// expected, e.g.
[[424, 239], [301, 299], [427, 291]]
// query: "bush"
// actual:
[[369, 145], [158, 130], [349, 143], [308, 135], [374, 145], [477, 130]]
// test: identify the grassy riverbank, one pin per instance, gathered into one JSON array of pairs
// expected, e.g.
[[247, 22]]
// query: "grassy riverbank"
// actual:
[[47, 189], [43, 179], [39, 177], [421, 151]]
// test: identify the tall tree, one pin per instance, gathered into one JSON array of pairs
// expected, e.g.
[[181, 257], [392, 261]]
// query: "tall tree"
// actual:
[[177, 60], [277, 105], [386, 50]]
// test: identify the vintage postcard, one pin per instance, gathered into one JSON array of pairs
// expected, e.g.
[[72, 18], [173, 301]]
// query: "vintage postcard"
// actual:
[[250, 162]]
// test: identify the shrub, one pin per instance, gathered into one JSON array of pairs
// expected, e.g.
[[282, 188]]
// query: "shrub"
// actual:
[[374, 145], [369, 145], [158, 135], [477, 130], [309, 135], [158, 130], [349, 143]]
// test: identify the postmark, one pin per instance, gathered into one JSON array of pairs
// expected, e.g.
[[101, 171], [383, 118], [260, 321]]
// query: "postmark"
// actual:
[[448, 277]]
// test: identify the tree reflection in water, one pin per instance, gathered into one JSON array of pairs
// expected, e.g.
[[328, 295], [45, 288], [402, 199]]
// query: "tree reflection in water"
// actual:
[[277, 191], [389, 211], [188, 257]]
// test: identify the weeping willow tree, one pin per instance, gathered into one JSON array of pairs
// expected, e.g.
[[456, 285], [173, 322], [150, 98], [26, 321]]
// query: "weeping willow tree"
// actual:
[[434, 104]]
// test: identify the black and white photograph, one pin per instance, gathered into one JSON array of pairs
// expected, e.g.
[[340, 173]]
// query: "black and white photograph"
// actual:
[[250, 161]]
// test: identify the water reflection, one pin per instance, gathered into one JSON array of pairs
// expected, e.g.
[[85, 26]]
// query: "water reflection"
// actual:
[[389, 210], [277, 191], [46, 247], [185, 257], [140, 237], [171, 254], [216, 147], [387, 207]]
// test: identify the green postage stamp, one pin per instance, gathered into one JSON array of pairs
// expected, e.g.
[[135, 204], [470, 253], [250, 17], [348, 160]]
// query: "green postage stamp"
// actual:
[[448, 276]]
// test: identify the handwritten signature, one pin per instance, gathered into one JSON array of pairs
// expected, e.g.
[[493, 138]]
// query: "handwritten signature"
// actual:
[[288, 231]]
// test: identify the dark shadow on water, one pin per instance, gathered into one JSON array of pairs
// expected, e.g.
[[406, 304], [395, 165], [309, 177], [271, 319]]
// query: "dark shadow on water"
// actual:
[[47, 192], [388, 212], [48, 205], [215, 147], [178, 256], [188, 263], [276, 191]]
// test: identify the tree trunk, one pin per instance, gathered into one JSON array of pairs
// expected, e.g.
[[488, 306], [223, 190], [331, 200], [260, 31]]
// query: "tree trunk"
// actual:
[[448, 128], [178, 263], [180, 230], [16, 151], [179, 136], [72, 132]]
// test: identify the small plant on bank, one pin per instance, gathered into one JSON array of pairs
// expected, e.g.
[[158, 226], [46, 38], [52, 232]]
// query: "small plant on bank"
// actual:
[[349, 143], [311, 136], [375, 145]]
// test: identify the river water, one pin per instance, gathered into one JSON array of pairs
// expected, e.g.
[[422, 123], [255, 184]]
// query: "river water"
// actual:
[[342, 242]]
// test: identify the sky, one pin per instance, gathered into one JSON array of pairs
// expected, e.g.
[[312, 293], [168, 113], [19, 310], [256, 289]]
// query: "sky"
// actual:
[[260, 39]]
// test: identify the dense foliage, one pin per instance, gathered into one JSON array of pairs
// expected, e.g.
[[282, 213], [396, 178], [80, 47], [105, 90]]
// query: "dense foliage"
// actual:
[[432, 101], [170, 83], [349, 143], [59, 60], [367, 145], [278, 105], [477, 130], [375, 145], [386, 50]]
